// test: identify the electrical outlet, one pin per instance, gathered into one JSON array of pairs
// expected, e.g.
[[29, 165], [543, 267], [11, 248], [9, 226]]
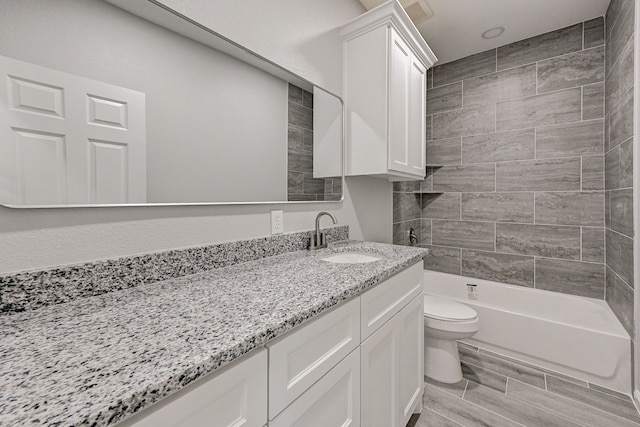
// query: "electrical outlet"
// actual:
[[277, 222]]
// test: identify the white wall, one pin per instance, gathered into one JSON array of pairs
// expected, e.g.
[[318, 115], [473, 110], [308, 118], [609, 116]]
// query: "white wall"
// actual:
[[298, 34], [204, 110]]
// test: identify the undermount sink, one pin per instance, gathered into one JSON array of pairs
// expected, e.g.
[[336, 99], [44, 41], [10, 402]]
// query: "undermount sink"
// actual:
[[351, 258]]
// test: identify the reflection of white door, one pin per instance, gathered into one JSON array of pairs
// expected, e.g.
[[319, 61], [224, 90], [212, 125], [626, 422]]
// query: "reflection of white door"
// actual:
[[65, 139]]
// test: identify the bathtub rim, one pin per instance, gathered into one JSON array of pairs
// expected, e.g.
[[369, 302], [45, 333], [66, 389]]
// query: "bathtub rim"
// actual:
[[621, 381], [619, 330]]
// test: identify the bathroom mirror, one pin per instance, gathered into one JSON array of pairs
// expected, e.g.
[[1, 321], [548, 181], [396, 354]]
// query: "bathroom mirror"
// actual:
[[116, 102]]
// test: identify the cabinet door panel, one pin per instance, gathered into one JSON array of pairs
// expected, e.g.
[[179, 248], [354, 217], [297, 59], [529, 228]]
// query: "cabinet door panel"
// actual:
[[236, 397], [300, 358], [399, 97], [384, 300], [411, 349], [379, 365], [334, 401]]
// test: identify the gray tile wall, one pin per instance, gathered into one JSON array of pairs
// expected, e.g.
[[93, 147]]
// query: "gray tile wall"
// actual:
[[407, 212], [516, 181], [301, 185], [618, 162]]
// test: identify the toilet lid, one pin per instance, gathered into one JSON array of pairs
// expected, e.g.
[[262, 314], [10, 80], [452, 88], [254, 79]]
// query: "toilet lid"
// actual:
[[447, 309]]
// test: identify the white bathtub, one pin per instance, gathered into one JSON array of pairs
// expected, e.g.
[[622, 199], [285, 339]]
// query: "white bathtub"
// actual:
[[571, 335]]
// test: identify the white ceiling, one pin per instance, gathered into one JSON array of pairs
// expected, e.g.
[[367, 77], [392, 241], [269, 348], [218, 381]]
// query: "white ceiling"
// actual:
[[454, 30]]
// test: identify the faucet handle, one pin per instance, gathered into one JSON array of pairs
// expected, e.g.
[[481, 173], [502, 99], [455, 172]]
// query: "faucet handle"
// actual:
[[317, 241]]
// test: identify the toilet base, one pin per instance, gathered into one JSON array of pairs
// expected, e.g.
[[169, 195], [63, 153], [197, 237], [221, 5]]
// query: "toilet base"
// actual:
[[441, 360]]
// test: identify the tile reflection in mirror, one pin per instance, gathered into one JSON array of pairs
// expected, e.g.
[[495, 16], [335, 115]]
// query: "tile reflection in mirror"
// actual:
[[203, 126]]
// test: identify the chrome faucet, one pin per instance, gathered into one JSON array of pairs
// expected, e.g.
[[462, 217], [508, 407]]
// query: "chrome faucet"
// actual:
[[319, 240]]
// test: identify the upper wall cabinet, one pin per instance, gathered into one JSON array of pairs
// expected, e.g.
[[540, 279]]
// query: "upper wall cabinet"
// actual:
[[385, 65]]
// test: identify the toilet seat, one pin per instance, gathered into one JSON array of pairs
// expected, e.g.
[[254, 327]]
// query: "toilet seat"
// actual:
[[446, 309], [442, 315]]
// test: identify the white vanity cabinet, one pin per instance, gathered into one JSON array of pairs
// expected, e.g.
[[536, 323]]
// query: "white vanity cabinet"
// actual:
[[358, 364], [385, 64]]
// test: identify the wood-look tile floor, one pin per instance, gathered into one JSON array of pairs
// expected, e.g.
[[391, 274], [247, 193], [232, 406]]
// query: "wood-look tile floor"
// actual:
[[499, 391]]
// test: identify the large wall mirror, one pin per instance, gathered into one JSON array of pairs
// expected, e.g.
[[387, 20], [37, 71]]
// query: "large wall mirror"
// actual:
[[123, 102]]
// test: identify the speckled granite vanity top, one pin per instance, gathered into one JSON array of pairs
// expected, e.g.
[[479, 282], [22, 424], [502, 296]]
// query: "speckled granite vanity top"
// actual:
[[96, 360]]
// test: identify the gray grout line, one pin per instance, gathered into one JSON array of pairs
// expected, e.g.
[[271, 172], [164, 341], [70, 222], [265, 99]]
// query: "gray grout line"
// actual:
[[546, 387], [582, 103], [518, 129], [581, 245], [518, 254], [465, 389], [618, 276], [521, 160]]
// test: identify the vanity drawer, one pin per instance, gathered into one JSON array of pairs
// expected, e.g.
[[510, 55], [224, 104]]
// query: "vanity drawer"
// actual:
[[302, 357], [236, 395], [383, 301], [332, 401]]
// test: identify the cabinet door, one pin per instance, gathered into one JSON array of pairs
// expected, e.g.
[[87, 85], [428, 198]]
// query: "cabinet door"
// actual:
[[379, 367], [303, 356], [417, 117], [399, 104], [237, 396], [411, 350], [334, 401]]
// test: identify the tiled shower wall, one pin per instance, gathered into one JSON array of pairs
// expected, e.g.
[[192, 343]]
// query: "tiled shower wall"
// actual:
[[301, 185], [515, 187], [619, 160]]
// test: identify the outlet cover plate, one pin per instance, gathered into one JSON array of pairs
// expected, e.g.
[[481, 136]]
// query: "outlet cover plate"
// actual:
[[277, 222]]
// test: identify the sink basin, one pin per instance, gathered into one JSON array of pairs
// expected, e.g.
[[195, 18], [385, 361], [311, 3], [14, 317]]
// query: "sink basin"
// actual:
[[351, 258]]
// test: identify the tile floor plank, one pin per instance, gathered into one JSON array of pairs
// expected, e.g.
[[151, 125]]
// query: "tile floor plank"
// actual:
[[534, 367], [456, 389], [610, 392], [565, 407], [503, 366], [513, 409], [461, 411], [482, 376], [428, 418], [602, 401]]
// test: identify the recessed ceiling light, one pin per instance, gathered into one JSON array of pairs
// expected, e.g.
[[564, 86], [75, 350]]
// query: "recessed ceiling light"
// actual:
[[492, 33]]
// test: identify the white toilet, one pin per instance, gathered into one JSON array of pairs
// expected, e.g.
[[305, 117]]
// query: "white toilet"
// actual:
[[446, 321]]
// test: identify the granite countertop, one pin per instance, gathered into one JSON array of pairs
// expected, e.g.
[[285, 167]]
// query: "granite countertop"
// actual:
[[97, 360]]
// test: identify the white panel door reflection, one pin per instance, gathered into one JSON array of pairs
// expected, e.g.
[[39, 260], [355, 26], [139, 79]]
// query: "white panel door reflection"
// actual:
[[67, 140]]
